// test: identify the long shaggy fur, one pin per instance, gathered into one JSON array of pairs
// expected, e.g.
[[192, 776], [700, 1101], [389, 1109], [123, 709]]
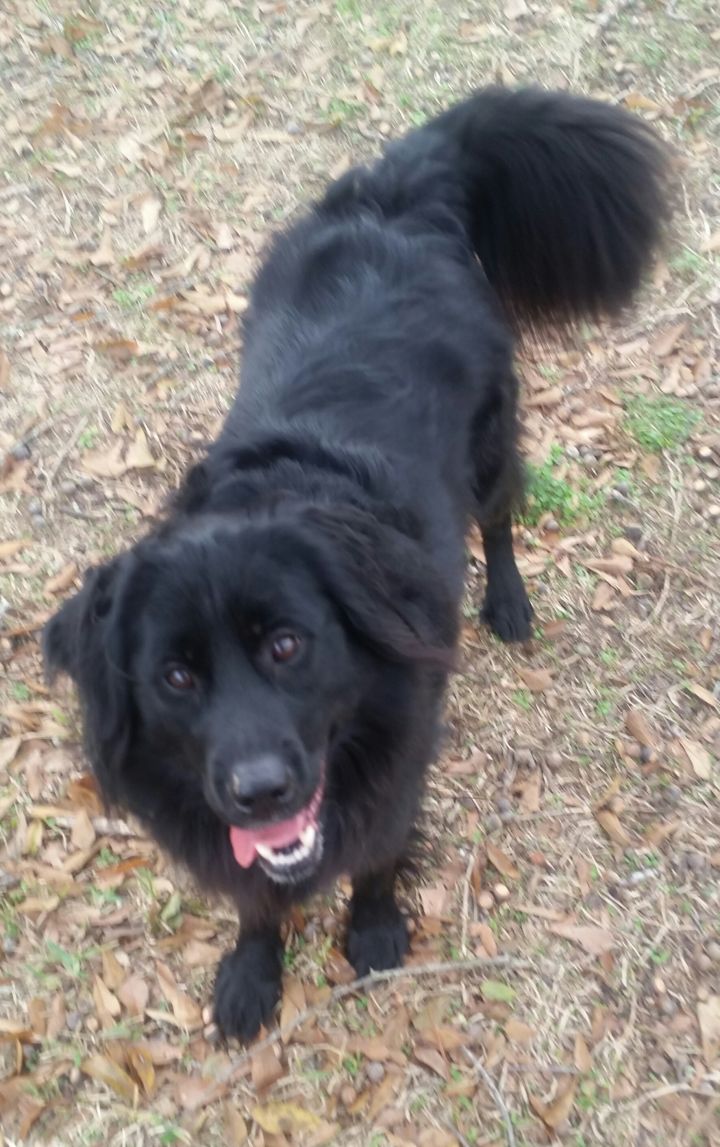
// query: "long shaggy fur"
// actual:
[[376, 416]]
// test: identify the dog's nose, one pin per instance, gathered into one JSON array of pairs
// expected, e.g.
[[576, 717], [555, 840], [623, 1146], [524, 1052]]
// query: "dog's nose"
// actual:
[[262, 787]]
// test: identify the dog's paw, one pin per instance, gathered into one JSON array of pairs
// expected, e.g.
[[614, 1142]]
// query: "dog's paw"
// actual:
[[509, 614], [247, 990], [377, 936]]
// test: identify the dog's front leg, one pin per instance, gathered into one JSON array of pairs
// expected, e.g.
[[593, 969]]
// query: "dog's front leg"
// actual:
[[377, 933], [249, 982]]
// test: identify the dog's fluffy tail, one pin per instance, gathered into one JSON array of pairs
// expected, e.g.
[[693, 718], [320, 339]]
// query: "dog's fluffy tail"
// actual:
[[566, 198]]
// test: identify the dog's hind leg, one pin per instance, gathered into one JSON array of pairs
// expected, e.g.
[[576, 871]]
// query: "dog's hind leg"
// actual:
[[497, 488], [377, 934]]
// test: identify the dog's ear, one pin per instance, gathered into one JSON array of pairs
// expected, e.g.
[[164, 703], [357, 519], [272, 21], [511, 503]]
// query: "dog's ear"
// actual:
[[88, 639], [386, 586]]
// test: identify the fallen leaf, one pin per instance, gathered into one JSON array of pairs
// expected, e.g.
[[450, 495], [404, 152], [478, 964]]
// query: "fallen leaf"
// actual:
[[667, 340], [529, 792], [198, 954], [83, 833], [556, 1113], [104, 256], [610, 824], [113, 972], [138, 456], [435, 901], [699, 758], [487, 938], [236, 1133], [519, 1032], [14, 1030], [9, 748], [12, 546], [638, 727], [162, 1053], [501, 861], [709, 1019], [265, 1069], [56, 1016], [495, 991], [107, 1004], [105, 463], [514, 9], [186, 1011], [594, 939], [105, 1070], [430, 1057], [282, 1118], [62, 580], [140, 1062], [582, 1057], [703, 694], [603, 597], [536, 680]]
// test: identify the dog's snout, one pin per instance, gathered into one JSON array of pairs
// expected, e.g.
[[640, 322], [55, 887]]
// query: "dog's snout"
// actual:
[[262, 787]]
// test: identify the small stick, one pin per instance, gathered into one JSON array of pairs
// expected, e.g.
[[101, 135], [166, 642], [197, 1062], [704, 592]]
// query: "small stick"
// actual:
[[65, 451], [495, 1093], [411, 971]]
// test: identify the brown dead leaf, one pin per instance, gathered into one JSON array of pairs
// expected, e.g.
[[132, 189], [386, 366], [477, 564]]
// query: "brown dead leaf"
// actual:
[[134, 995], [667, 340], [12, 546], [138, 456], [583, 1059], [162, 1053], [703, 694], [140, 1062], [708, 1012], [199, 954], [104, 256], [105, 463], [618, 566], [610, 824], [113, 972], [639, 728], [699, 758], [435, 901], [56, 1016], [285, 1118], [501, 861], [603, 598], [236, 1132], [519, 1032], [106, 1071], [63, 580], [430, 1057], [265, 1069], [529, 792], [487, 938], [555, 1114], [9, 748], [83, 833], [186, 1011], [536, 680], [107, 1004], [594, 939]]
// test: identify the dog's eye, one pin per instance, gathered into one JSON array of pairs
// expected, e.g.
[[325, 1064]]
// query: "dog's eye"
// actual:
[[283, 647], [180, 678]]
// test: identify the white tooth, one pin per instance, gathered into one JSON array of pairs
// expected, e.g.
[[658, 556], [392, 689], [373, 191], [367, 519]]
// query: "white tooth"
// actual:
[[307, 836], [266, 852]]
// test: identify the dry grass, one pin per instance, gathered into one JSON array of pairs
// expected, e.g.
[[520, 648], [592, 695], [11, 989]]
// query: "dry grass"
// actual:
[[146, 155]]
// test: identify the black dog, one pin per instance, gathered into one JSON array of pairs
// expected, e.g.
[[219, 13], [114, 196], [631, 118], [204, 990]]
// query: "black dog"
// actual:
[[262, 677]]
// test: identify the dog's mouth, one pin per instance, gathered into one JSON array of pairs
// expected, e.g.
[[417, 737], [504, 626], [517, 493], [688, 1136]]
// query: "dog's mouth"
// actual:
[[287, 850]]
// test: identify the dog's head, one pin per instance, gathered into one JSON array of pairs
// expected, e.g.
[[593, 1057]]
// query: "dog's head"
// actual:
[[236, 650]]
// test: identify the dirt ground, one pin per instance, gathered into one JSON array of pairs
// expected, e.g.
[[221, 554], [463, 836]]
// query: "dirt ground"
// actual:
[[570, 895]]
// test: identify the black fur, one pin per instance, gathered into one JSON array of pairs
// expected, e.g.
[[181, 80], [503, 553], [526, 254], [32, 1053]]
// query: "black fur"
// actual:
[[376, 416]]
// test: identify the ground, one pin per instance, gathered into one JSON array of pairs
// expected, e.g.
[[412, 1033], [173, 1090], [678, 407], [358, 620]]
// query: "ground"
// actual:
[[570, 894]]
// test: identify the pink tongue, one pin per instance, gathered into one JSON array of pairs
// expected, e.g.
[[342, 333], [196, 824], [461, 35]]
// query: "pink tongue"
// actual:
[[244, 840]]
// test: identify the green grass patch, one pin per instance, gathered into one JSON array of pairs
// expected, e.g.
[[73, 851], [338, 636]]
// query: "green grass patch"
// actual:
[[547, 492], [658, 423]]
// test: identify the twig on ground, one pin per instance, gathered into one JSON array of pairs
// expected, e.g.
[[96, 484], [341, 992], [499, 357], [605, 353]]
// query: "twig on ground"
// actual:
[[373, 979], [454, 1132], [65, 451], [465, 911], [496, 1096]]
